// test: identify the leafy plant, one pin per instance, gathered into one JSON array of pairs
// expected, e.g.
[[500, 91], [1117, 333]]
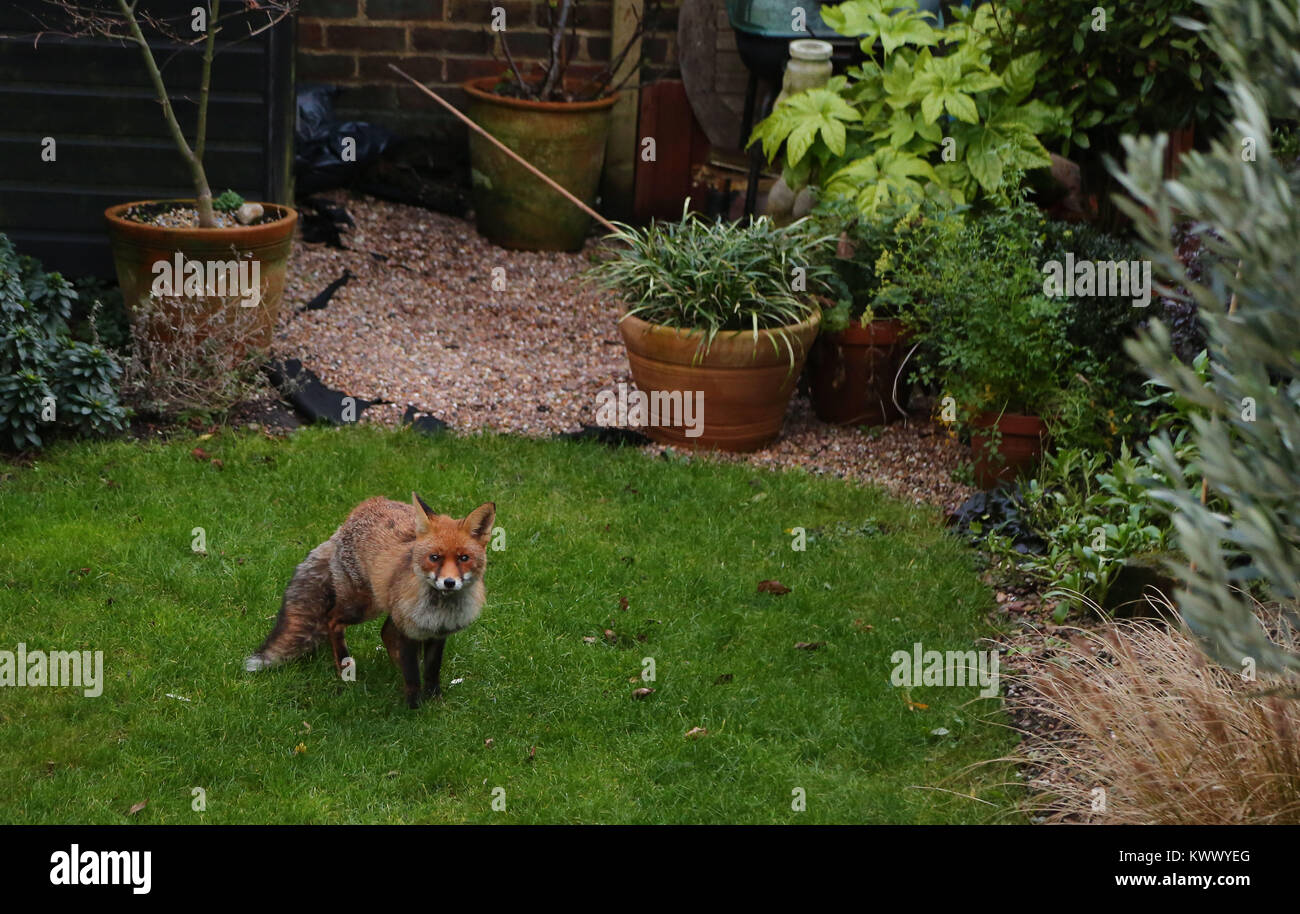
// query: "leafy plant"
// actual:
[[858, 262], [933, 117], [713, 277], [970, 290], [1113, 69], [228, 202], [47, 379], [1247, 422]]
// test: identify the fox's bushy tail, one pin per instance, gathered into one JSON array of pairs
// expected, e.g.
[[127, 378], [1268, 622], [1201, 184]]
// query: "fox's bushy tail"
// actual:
[[300, 626]]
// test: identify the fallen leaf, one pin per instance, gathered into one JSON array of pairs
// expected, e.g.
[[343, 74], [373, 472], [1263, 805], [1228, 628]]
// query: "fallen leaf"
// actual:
[[622, 603], [590, 639], [642, 693], [610, 636], [939, 731], [216, 462], [137, 807], [300, 749], [199, 454], [696, 732], [808, 645], [489, 742], [862, 626], [774, 587]]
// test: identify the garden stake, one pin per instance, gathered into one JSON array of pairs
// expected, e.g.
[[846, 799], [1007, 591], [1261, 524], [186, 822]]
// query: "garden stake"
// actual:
[[506, 149]]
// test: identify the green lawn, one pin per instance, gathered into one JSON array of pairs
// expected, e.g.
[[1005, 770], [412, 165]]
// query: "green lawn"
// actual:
[[95, 554]]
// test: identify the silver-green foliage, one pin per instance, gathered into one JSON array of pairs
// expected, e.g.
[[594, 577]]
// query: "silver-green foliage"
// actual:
[[1247, 424]]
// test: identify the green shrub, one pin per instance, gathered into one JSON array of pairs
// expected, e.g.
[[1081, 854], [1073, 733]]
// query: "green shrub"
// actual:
[[971, 291], [935, 117], [1247, 422], [48, 380]]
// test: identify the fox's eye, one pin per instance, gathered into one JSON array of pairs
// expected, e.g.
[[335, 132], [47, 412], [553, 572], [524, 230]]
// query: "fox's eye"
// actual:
[[435, 557], [462, 558]]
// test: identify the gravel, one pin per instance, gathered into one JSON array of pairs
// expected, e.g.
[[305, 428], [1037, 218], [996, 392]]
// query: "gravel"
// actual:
[[484, 338]]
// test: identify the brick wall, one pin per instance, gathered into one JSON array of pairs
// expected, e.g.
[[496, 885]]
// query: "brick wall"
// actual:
[[349, 43]]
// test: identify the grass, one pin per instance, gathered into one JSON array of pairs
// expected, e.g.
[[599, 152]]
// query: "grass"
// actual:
[[95, 554]]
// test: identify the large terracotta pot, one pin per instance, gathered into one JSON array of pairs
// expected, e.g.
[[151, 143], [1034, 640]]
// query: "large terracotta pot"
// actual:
[[851, 373], [564, 140], [137, 247], [746, 382], [1019, 448]]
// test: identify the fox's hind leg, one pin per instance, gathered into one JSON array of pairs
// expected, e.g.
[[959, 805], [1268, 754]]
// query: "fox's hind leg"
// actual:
[[405, 654], [300, 624], [336, 622]]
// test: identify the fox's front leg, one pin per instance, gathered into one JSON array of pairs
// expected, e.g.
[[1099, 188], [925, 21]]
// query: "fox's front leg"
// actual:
[[433, 668], [405, 654]]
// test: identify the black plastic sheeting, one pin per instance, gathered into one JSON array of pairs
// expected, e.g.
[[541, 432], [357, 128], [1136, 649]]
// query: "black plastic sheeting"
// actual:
[[318, 152]]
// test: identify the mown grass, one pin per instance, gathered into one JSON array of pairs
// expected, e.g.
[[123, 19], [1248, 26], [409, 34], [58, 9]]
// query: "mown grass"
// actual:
[[95, 554]]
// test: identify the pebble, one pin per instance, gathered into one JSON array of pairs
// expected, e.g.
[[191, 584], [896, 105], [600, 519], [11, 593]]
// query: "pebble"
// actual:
[[249, 213]]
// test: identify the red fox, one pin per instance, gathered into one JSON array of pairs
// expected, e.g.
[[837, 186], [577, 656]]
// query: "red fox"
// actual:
[[424, 570]]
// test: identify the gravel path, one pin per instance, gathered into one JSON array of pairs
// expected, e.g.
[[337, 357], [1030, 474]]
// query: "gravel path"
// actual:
[[438, 318]]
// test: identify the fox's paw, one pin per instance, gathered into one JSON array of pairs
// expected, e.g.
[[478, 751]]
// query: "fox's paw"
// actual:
[[255, 662]]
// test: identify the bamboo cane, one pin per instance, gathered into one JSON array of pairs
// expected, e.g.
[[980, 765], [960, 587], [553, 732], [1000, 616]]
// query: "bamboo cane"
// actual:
[[506, 149]]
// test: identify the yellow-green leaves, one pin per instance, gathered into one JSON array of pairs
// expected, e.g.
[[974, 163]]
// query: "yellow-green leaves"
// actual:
[[894, 24], [802, 118]]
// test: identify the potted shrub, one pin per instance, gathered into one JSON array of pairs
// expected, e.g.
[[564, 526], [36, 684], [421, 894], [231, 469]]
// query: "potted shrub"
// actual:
[[193, 261], [991, 342], [722, 312], [557, 122], [856, 364]]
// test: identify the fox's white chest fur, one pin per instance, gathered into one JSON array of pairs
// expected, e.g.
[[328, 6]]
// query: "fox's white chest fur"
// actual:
[[437, 615]]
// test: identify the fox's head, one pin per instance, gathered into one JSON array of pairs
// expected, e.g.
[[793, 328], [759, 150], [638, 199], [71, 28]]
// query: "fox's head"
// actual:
[[451, 553]]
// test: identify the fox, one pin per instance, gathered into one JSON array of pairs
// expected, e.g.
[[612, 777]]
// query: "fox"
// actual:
[[423, 569]]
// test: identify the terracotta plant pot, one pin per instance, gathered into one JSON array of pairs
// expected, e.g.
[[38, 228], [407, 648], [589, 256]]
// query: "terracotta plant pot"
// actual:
[[564, 140], [852, 373], [745, 383], [1020, 447], [137, 247]]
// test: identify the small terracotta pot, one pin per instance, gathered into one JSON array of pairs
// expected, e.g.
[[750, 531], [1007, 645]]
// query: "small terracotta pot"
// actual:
[[137, 247], [746, 382], [564, 140], [1020, 447], [851, 373]]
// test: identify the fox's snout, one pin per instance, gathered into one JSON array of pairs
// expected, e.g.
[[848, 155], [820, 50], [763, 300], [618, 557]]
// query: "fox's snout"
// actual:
[[447, 583]]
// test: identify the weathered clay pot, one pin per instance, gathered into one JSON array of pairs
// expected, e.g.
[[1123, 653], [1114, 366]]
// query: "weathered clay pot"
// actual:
[[851, 373], [746, 381], [1020, 447], [564, 140], [137, 247]]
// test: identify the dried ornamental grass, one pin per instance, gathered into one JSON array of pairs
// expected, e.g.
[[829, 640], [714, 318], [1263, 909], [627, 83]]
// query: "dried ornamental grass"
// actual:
[[1151, 733]]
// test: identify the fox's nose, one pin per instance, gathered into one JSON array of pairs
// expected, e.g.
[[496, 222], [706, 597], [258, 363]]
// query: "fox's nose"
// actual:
[[449, 583]]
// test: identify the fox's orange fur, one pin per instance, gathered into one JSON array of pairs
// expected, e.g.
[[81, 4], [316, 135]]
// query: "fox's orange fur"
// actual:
[[423, 570]]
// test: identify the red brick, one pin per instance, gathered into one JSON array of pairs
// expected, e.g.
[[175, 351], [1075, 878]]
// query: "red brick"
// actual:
[[403, 10], [454, 40], [326, 67], [460, 69], [519, 13], [366, 38], [411, 99], [374, 69], [311, 35]]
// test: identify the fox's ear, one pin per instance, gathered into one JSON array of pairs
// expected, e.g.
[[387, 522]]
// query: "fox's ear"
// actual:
[[423, 513], [479, 521]]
